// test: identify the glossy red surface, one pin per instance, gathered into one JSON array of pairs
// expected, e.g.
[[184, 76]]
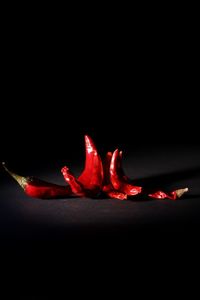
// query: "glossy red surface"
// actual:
[[92, 176], [76, 187], [118, 179], [49, 191], [162, 195], [97, 178], [108, 188]]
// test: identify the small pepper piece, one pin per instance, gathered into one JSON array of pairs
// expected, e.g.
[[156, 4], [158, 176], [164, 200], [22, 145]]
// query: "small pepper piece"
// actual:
[[172, 195], [116, 195], [37, 188], [118, 179]]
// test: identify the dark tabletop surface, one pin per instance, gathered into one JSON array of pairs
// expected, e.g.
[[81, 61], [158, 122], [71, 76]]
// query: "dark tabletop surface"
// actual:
[[53, 233], [27, 219]]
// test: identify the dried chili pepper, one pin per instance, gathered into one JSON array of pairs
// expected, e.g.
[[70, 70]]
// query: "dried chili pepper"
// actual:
[[92, 175], [119, 181], [116, 184], [90, 181], [37, 188], [108, 189], [172, 195], [108, 178]]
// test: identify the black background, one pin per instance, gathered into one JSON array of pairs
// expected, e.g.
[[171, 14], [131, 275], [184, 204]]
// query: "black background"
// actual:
[[132, 87]]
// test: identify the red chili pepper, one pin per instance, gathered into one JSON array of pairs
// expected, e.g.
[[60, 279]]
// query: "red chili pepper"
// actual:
[[37, 188], [108, 189], [92, 175], [90, 181], [118, 179], [172, 195], [95, 178]]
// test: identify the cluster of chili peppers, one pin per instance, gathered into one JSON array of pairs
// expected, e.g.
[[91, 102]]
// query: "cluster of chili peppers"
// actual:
[[105, 179]]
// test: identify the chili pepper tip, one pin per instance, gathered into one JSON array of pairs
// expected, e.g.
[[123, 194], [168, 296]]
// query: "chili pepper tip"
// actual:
[[180, 192], [20, 179], [3, 164]]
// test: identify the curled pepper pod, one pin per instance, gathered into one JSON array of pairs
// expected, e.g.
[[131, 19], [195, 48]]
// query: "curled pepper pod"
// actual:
[[37, 188], [118, 179], [108, 189], [172, 195]]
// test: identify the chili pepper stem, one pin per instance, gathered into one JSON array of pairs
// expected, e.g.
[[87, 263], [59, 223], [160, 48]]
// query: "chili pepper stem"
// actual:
[[180, 192], [20, 179]]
